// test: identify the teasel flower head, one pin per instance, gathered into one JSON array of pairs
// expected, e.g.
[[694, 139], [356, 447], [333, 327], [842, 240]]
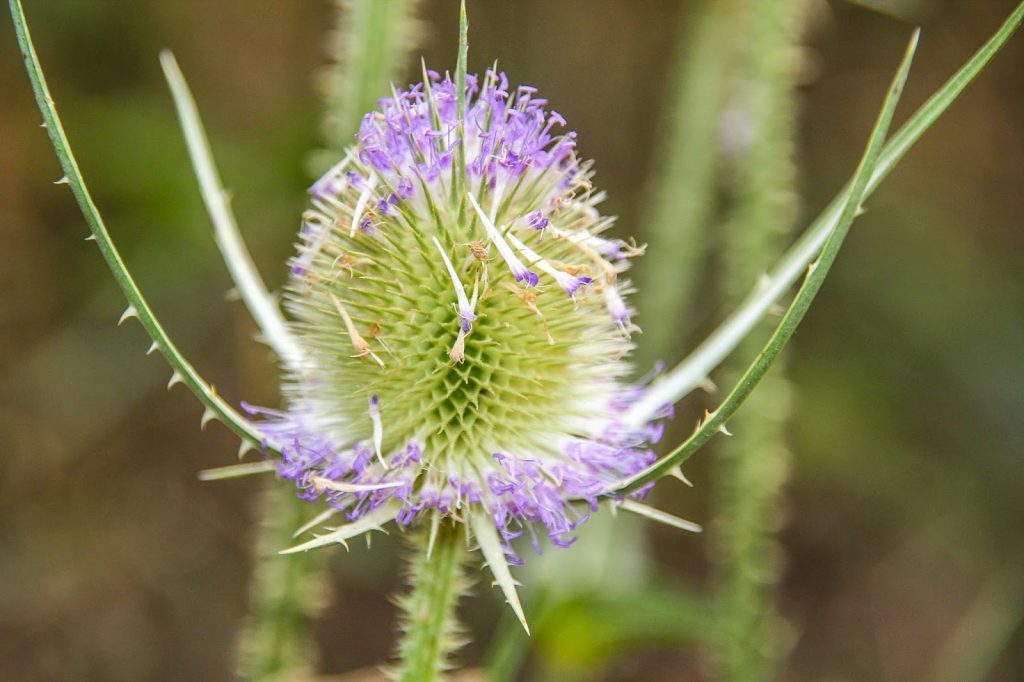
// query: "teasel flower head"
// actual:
[[463, 325]]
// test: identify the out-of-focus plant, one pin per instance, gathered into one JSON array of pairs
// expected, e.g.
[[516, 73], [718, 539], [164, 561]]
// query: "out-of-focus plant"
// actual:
[[681, 199], [750, 467], [499, 405], [368, 48]]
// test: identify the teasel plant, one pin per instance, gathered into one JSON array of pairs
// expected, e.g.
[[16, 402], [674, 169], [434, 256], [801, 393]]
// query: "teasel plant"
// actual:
[[455, 353]]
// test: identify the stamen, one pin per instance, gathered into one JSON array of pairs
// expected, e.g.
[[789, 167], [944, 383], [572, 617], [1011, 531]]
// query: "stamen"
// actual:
[[323, 483], [358, 342], [478, 251], [458, 351], [364, 198], [378, 428], [519, 271], [617, 307], [537, 221], [529, 299], [582, 240], [466, 314], [568, 282]]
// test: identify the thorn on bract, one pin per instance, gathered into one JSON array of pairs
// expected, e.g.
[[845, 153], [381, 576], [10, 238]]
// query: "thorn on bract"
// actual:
[[208, 415], [677, 472], [129, 312], [707, 385]]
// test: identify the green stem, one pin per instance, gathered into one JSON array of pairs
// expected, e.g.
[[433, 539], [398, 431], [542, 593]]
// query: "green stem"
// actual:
[[430, 628], [682, 202], [751, 466], [284, 596], [370, 47]]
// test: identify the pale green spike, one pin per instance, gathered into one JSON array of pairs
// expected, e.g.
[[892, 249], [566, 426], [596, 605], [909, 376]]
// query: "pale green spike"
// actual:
[[128, 313], [315, 521], [435, 525], [372, 521], [653, 514], [208, 416], [460, 100], [490, 545], [322, 483], [243, 447], [236, 471], [249, 284]]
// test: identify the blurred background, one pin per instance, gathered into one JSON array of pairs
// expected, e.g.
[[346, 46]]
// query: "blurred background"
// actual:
[[899, 508]]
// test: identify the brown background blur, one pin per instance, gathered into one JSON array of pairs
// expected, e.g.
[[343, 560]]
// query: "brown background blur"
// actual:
[[905, 512]]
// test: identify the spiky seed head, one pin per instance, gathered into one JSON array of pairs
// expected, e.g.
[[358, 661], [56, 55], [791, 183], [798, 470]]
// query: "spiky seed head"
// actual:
[[463, 322]]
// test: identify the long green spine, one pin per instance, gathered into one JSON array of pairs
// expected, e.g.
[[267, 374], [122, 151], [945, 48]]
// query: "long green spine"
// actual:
[[138, 306], [689, 373]]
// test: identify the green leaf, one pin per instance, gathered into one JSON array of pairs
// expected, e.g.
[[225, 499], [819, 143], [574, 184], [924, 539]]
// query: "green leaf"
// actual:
[[183, 372], [714, 421], [694, 369]]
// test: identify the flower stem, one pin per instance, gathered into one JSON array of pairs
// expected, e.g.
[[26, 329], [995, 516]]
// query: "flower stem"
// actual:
[[430, 628]]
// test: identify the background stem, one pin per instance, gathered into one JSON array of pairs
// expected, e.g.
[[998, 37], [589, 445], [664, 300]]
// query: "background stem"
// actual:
[[750, 469], [286, 592], [681, 201], [369, 47]]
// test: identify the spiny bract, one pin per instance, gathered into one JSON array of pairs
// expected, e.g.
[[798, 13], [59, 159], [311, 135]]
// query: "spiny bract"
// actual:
[[462, 325]]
